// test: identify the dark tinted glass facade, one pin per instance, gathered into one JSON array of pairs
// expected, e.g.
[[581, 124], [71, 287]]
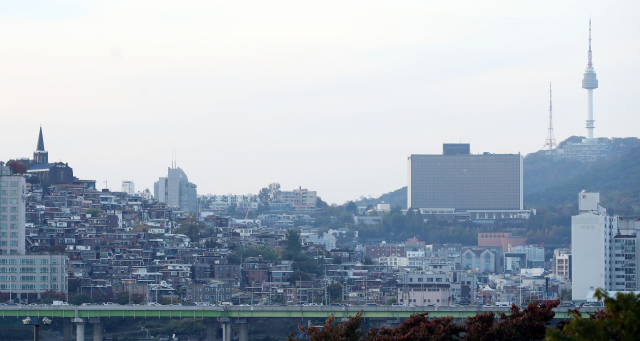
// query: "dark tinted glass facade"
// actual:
[[465, 182]]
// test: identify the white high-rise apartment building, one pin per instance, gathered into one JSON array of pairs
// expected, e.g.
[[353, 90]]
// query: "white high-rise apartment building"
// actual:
[[21, 274], [128, 187], [12, 215], [603, 247]]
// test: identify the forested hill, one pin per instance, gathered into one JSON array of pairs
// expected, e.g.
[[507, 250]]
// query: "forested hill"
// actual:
[[397, 197], [616, 177], [543, 171]]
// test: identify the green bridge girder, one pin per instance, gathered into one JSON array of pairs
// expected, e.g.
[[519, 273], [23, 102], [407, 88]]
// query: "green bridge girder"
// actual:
[[251, 312]]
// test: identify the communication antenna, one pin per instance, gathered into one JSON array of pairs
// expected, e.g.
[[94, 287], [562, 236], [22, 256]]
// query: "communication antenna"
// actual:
[[550, 144]]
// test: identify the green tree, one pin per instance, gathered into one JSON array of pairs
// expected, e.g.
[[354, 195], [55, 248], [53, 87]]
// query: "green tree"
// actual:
[[261, 251], [299, 276], [294, 243], [351, 207], [122, 297], [367, 260], [619, 321], [274, 191], [94, 212], [190, 227], [263, 195], [80, 298], [335, 292]]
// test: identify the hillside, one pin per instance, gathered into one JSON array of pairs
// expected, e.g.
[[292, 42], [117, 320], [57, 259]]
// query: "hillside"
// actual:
[[543, 171], [616, 177], [397, 197]]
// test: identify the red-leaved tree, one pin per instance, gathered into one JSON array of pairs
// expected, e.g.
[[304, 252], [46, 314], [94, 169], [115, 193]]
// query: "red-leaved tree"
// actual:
[[525, 324], [17, 167]]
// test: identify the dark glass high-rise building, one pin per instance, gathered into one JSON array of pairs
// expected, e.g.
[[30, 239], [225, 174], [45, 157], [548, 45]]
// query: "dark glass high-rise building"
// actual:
[[465, 181]]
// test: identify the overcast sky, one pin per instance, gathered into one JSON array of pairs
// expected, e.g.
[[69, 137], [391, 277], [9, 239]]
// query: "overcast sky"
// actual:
[[328, 95]]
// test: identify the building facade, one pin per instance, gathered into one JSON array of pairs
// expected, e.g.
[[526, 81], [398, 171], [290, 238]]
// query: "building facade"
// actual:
[[24, 275], [603, 249], [176, 190], [465, 181], [301, 199]]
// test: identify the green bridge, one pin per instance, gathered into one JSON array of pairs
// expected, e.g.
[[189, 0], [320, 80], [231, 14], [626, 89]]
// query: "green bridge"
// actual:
[[223, 316]]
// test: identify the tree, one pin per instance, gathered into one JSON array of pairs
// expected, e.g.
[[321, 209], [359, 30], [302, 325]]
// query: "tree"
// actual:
[[34, 180], [299, 276], [80, 298], [347, 331], [527, 324], [367, 260], [294, 243], [94, 212], [274, 191], [17, 167], [122, 297], [261, 251], [190, 227], [49, 296], [335, 291], [351, 207], [263, 195], [619, 321]]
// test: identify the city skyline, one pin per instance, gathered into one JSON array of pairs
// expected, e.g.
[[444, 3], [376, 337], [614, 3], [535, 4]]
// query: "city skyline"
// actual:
[[317, 97]]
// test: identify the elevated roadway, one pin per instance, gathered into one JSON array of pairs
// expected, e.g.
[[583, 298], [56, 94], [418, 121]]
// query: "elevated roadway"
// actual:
[[224, 316]]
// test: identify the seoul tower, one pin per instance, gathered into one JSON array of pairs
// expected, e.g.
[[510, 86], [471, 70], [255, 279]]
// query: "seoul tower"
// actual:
[[590, 82]]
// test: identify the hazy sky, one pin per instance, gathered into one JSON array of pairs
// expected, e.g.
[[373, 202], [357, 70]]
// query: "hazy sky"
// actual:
[[328, 95]]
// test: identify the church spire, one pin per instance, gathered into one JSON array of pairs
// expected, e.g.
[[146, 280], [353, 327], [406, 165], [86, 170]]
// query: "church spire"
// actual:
[[40, 147]]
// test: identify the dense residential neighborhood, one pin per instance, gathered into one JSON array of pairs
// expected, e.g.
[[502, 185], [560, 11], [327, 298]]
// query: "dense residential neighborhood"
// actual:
[[91, 245]]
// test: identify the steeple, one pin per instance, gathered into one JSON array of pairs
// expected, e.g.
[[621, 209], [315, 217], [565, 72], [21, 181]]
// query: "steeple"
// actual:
[[40, 147], [40, 155]]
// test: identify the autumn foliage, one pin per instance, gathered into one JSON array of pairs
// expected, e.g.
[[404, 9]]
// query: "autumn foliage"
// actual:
[[17, 167], [527, 324]]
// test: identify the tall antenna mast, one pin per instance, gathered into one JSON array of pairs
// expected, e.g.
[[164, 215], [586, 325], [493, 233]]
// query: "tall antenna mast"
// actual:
[[550, 144]]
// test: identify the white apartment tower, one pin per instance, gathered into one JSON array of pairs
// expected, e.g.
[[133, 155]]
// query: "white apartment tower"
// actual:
[[128, 187], [12, 215], [603, 247], [21, 274]]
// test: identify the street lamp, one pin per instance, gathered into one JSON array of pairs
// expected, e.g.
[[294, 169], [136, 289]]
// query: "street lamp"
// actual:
[[36, 326]]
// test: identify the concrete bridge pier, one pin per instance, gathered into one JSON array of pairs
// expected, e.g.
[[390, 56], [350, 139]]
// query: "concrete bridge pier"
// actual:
[[244, 330], [97, 328], [67, 330], [225, 322], [210, 334], [79, 328]]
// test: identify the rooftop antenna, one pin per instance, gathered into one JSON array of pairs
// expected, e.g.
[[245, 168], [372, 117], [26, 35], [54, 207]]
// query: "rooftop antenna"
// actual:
[[550, 144]]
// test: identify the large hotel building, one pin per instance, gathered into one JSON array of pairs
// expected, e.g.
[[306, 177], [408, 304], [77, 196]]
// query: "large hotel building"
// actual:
[[484, 186]]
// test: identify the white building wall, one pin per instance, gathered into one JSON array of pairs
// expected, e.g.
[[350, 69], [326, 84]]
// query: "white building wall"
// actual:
[[592, 234]]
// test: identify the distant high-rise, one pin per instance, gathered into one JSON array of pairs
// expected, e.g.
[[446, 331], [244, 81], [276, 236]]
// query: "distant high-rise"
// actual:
[[128, 187], [590, 82], [176, 190]]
